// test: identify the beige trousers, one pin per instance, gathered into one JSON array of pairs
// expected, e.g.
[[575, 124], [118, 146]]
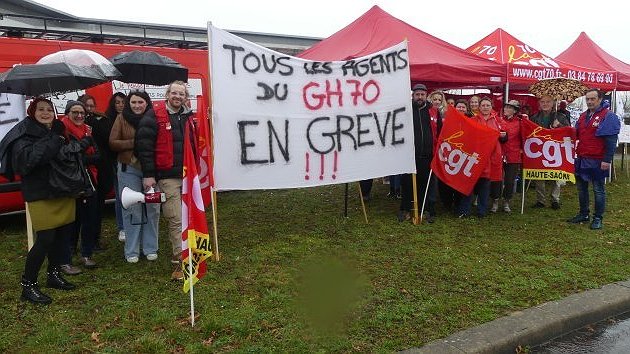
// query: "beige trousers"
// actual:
[[541, 194], [172, 211]]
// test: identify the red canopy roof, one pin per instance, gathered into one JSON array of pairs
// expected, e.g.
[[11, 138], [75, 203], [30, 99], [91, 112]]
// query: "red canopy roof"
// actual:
[[432, 60], [583, 51], [526, 65]]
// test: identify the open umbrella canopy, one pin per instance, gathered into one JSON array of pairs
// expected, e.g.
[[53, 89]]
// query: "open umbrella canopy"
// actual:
[[559, 89], [145, 67], [83, 58], [38, 79]]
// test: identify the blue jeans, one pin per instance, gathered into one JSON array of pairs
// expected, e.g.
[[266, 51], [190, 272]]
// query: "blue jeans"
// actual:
[[482, 189], [117, 205], [599, 194], [138, 228]]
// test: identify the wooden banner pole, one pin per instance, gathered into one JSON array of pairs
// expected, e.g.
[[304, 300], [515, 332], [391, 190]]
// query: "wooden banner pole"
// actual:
[[362, 203], [416, 219]]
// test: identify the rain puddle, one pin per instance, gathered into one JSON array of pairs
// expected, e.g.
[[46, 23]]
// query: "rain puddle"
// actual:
[[610, 336]]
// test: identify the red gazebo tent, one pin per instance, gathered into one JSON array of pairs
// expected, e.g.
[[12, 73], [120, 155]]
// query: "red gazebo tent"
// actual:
[[583, 51], [432, 61], [525, 65]]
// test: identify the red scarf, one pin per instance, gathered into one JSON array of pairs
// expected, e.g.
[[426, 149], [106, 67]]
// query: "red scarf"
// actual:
[[79, 132]]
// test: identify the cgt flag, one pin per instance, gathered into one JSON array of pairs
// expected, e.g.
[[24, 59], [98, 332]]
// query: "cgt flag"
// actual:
[[548, 153], [463, 151], [195, 238], [204, 148]]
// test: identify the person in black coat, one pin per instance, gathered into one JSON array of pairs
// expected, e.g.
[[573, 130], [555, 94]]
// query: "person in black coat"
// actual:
[[101, 127], [29, 149]]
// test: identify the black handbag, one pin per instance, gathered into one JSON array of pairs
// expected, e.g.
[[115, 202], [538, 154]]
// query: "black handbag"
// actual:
[[68, 175]]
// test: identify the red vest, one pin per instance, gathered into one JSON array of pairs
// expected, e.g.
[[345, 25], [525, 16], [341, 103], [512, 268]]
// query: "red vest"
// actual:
[[164, 140], [589, 145]]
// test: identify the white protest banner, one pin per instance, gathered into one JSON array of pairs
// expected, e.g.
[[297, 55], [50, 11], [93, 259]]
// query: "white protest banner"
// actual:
[[285, 122], [12, 111]]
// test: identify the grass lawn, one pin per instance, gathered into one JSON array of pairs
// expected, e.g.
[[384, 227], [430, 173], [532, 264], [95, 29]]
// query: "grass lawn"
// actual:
[[296, 276]]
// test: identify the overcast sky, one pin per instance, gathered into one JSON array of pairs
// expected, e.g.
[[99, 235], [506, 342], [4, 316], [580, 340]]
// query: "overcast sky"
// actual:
[[549, 26]]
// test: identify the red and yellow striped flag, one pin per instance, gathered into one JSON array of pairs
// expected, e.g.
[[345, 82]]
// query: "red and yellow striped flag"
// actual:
[[195, 238]]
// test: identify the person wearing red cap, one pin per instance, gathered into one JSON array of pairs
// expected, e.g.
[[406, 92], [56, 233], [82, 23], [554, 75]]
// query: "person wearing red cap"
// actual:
[[562, 108]]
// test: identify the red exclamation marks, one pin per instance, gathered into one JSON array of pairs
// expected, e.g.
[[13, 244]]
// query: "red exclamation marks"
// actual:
[[335, 166], [306, 177], [321, 167]]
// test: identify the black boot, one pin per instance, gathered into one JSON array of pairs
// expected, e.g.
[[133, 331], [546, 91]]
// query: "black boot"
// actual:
[[30, 292], [56, 281]]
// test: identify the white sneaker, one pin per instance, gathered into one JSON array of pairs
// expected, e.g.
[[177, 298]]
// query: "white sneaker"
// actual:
[[506, 207], [132, 259], [151, 257], [495, 206], [122, 235]]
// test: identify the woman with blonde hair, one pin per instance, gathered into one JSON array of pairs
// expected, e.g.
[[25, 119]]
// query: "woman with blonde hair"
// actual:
[[438, 100]]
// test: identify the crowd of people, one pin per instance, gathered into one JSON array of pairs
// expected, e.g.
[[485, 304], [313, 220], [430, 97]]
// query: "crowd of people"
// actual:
[[596, 129], [69, 165]]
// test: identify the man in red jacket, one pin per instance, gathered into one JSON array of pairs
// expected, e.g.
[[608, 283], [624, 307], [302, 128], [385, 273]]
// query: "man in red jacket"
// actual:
[[597, 131], [159, 145]]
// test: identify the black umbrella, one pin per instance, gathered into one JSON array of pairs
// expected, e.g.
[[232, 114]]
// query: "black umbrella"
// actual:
[[148, 68], [38, 79]]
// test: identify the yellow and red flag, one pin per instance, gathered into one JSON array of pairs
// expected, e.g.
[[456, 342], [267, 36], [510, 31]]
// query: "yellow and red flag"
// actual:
[[204, 148], [195, 237]]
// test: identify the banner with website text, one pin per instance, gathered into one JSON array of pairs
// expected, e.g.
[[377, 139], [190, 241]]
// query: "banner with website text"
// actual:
[[285, 122], [463, 151], [548, 154]]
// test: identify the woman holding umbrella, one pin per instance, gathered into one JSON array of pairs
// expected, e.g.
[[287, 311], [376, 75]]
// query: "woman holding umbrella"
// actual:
[[30, 149]]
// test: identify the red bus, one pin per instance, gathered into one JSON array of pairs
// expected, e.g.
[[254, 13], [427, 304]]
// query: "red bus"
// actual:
[[28, 51]]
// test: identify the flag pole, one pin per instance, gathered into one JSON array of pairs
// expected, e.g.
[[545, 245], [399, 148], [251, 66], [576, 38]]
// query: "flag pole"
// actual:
[[213, 196], [362, 203], [215, 236], [345, 202], [426, 191], [416, 220], [523, 193], [191, 291]]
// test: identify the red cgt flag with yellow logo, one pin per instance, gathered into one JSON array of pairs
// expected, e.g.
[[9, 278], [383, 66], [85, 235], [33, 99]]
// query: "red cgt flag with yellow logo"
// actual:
[[463, 150], [195, 237], [548, 153]]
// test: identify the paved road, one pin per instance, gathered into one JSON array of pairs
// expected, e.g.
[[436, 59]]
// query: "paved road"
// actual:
[[610, 337], [544, 322]]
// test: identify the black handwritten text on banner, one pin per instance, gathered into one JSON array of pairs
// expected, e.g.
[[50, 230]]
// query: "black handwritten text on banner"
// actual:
[[285, 122]]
